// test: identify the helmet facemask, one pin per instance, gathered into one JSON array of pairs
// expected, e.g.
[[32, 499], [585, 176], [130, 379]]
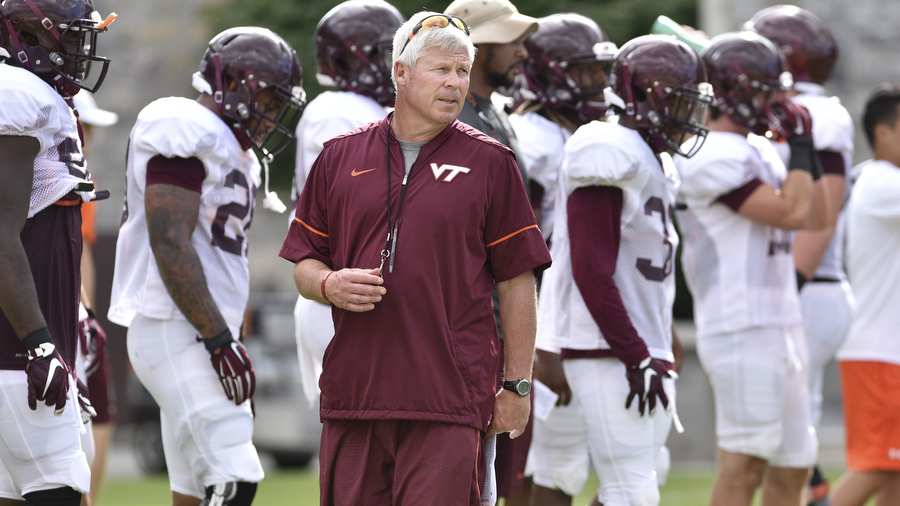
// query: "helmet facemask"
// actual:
[[262, 114], [61, 54], [668, 117], [748, 102], [365, 70]]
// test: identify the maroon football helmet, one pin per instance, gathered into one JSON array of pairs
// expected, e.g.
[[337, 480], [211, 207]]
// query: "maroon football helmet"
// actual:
[[807, 43], [569, 59], [268, 98], [353, 48], [56, 40], [742, 67], [660, 84]]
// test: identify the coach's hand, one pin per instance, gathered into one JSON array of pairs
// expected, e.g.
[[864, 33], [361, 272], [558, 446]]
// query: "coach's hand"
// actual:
[[93, 343], [510, 414], [48, 374], [548, 369], [355, 290], [232, 364], [645, 381]]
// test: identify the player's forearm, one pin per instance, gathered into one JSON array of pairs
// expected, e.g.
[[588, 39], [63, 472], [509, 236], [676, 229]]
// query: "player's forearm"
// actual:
[[821, 215], [171, 218], [183, 276], [308, 276], [518, 317], [796, 199], [18, 296]]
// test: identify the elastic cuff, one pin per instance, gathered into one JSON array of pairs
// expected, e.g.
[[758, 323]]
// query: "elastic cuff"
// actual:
[[216, 341], [323, 286], [37, 338]]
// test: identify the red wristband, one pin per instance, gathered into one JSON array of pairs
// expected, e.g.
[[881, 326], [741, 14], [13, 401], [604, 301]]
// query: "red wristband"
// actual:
[[323, 285]]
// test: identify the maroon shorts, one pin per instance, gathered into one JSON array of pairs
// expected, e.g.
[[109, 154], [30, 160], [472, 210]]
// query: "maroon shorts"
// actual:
[[399, 463]]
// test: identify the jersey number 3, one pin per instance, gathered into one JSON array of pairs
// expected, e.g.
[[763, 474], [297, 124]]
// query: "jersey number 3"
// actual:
[[645, 265]]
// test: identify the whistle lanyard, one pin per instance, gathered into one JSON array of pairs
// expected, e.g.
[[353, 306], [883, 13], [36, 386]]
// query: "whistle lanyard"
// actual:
[[390, 245]]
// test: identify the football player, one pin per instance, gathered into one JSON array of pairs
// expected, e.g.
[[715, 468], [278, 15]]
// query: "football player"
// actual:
[[353, 52], [741, 206], [192, 178], [46, 48], [569, 58], [825, 297], [608, 297]]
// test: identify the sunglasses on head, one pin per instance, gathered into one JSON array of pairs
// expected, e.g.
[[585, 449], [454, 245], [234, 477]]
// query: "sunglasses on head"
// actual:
[[436, 21]]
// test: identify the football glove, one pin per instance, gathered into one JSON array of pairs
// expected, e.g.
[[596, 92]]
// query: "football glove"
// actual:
[[232, 364], [645, 383], [93, 343], [793, 123], [48, 374], [87, 409]]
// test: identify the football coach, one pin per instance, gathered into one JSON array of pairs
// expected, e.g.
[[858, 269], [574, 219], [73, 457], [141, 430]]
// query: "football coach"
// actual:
[[404, 226]]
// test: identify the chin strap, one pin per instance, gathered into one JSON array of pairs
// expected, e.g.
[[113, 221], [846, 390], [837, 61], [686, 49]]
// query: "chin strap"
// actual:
[[271, 202]]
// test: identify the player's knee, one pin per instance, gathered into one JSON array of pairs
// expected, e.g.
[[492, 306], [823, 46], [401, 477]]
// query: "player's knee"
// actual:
[[64, 496], [648, 494], [663, 464], [235, 493]]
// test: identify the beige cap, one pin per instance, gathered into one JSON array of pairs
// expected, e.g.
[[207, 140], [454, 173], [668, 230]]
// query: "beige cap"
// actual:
[[90, 114], [492, 21]]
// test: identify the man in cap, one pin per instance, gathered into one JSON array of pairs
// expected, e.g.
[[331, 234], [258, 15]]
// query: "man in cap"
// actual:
[[498, 31]]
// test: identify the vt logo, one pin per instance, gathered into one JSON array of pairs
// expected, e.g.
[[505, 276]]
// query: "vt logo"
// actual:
[[453, 169]]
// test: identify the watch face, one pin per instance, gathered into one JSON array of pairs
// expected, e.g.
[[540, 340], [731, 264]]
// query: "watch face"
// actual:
[[523, 387]]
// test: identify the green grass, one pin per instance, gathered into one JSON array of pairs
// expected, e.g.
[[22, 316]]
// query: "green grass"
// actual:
[[301, 488]]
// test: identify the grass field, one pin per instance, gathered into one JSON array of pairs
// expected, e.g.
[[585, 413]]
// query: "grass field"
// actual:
[[301, 488]]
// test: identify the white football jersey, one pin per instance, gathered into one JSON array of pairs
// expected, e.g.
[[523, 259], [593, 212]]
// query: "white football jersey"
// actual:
[[330, 114], [873, 240], [832, 131], [740, 272], [607, 154], [541, 144], [179, 127], [31, 108]]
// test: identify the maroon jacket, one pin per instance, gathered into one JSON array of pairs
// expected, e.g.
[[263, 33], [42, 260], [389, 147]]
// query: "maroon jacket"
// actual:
[[429, 349]]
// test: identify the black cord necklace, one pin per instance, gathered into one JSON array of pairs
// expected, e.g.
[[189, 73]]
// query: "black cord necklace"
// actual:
[[390, 245]]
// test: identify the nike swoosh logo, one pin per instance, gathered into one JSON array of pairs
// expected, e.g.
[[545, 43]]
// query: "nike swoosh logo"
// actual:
[[358, 172], [648, 376], [54, 365]]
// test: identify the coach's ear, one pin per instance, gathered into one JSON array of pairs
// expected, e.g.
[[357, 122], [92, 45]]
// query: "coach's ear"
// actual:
[[401, 73]]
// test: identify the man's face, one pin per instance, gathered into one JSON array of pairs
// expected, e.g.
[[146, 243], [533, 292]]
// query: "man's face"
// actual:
[[502, 62], [436, 87]]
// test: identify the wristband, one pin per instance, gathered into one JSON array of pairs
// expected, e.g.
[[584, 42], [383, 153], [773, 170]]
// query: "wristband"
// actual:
[[803, 156], [37, 338], [218, 340], [323, 286], [801, 280]]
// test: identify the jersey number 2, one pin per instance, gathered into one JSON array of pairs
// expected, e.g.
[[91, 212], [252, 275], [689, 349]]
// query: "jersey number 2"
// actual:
[[645, 265], [219, 239]]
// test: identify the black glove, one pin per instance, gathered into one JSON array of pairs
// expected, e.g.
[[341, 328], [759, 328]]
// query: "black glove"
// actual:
[[48, 374], [645, 383], [232, 364]]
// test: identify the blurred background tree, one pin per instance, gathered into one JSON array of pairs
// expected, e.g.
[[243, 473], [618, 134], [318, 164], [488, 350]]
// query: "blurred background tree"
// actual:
[[296, 21]]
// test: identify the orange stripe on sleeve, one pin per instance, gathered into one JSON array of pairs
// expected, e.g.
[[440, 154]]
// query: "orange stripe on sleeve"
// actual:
[[498, 241], [310, 228]]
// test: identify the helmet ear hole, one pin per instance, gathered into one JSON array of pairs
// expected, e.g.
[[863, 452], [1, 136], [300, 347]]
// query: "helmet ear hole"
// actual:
[[29, 39]]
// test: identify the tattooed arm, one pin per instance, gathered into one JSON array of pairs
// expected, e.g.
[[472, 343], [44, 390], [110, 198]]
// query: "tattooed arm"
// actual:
[[18, 296], [171, 218]]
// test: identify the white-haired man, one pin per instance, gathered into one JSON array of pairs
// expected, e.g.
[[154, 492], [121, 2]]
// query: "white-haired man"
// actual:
[[409, 380]]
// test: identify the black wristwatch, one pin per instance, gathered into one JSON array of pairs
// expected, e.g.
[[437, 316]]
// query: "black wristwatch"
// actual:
[[520, 387]]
